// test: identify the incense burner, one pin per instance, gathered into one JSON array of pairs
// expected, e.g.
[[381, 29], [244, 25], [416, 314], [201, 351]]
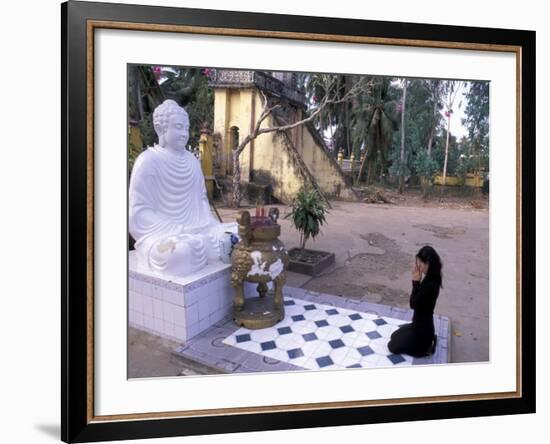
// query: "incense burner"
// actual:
[[259, 257]]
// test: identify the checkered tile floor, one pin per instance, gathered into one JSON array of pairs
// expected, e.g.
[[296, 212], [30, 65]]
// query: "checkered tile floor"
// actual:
[[317, 336]]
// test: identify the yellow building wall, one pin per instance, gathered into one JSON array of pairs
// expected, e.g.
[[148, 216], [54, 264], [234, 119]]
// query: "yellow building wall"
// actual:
[[232, 109], [471, 180], [270, 160], [221, 116], [243, 116]]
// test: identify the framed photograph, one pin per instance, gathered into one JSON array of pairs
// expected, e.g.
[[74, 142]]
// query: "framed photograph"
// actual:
[[274, 222]]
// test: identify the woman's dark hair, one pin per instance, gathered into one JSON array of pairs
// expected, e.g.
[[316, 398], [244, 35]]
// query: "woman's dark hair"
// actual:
[[429, 256]]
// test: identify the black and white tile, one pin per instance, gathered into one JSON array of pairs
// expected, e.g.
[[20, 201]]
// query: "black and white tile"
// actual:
[[317, 336]]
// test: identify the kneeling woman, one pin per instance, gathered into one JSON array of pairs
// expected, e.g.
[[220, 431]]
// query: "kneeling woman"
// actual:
[[418, 338]]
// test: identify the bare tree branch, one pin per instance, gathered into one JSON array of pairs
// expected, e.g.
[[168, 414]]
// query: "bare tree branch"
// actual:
[[330, 97]]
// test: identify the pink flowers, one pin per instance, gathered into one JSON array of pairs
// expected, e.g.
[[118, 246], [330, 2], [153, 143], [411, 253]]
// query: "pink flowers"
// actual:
[[399, 107], [157, 72], [207, 72], [448, 113]]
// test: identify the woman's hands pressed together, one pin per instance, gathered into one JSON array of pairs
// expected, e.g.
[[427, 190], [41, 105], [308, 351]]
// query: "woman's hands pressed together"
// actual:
[[416, 273]]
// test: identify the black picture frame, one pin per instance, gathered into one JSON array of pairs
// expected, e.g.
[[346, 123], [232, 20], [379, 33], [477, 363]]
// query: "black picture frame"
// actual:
[[78, 423]]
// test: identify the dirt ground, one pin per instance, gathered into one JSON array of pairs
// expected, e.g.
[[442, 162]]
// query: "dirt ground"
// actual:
[[151, 356], [464, 198], [375, 246]]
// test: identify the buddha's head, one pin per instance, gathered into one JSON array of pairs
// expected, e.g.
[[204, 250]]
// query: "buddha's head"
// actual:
[[171, 124]]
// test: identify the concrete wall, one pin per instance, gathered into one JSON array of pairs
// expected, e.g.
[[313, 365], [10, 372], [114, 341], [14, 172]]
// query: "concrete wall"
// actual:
[[274, 164], [325, 169]]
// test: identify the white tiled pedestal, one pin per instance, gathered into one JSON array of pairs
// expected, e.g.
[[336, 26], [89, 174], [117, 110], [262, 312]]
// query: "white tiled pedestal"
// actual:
[[178, 308]]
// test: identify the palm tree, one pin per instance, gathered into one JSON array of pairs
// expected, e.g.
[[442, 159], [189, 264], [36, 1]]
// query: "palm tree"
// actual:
[[379, 112], [335, 117]]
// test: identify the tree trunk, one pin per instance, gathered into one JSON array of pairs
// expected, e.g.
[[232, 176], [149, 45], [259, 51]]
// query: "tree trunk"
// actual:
[[446, 149], [346, 117], [370, 171], [362, 167], [331, 129], [450, 101], [135, 81], [434, 123], [236, 180], [446, 158], [432, 131], [402, 158], [430, 141]]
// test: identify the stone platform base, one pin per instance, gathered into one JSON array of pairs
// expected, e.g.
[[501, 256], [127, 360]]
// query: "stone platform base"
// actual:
[[178, 308]]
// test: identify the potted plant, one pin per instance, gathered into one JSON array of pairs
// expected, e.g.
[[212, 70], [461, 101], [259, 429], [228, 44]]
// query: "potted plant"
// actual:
[[308, 214]]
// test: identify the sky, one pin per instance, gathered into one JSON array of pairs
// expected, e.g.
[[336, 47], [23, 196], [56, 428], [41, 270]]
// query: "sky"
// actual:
[[457, 129]]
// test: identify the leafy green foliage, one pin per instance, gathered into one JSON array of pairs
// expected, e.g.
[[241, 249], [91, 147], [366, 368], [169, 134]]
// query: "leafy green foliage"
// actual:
[[438, 152], [148, 135], [308, 214], [187, 86], [398, 167], [376, 118], [420, 122], [462, 168], [426, 167], [477, 123], [338, 117], [412, 144]]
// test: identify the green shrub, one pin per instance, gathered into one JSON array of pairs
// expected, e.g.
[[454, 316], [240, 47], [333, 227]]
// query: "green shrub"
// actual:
[[308, 214]]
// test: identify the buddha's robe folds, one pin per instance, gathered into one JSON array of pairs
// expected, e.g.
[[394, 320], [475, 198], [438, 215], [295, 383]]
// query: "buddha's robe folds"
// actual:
[[169, 213]]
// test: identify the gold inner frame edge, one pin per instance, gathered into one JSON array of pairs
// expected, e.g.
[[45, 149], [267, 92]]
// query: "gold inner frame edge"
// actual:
[[96, 24]]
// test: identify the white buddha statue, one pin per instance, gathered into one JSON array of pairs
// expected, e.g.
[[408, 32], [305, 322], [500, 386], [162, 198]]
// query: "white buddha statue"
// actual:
[[170, 217]]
